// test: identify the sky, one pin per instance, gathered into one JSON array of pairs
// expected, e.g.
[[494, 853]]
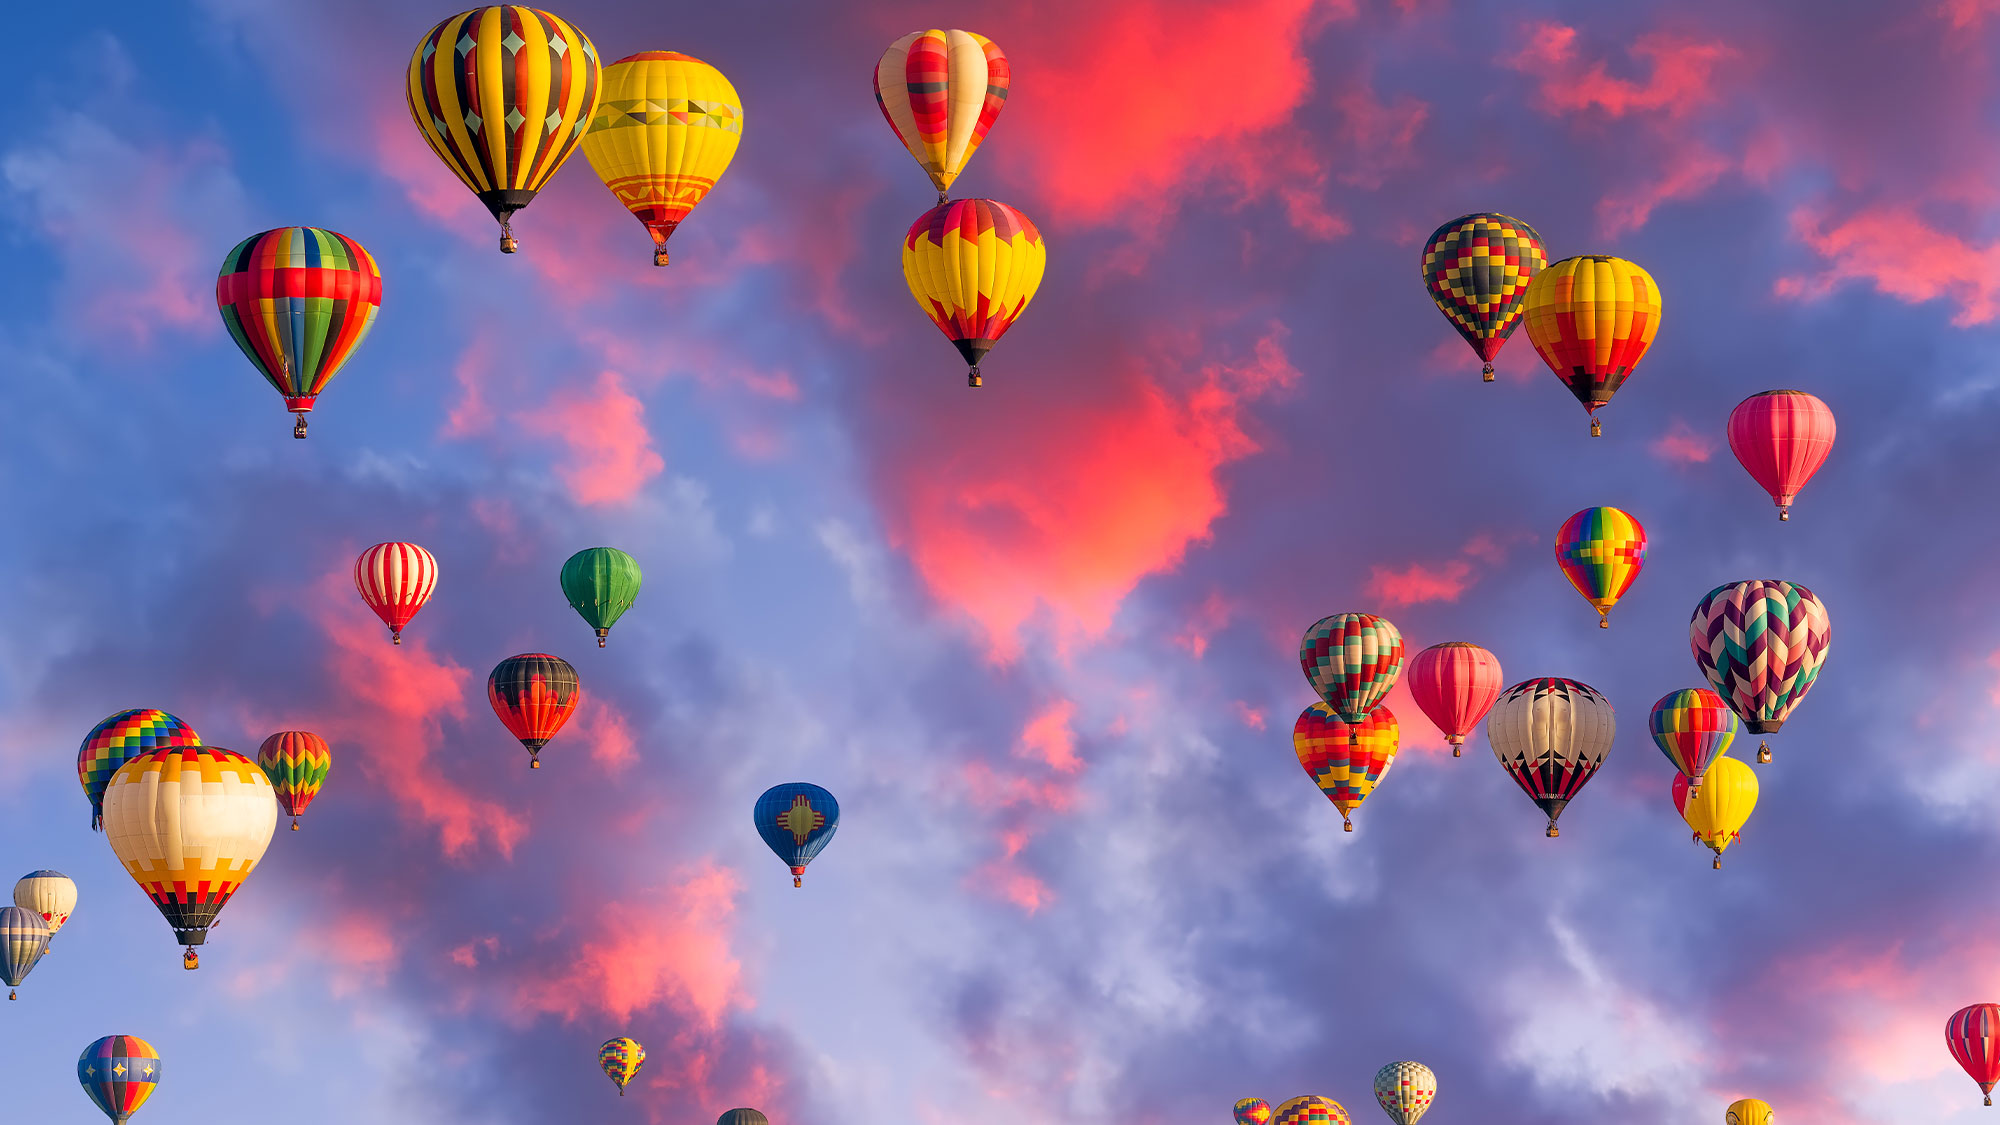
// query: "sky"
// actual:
[[1038, 638]]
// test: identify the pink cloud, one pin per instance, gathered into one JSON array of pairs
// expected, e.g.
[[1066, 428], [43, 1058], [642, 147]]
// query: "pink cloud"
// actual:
[[1048, 738], [611, 455], [1376, 138], [1419, 582], [1683, 445], [1904, 257], [1681, 78], [1968, 15]]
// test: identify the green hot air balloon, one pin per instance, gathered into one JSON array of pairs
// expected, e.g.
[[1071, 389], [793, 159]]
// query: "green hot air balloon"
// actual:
[[600, 584]]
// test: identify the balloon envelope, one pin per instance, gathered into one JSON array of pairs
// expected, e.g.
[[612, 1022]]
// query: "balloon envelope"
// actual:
[[534, 694], [1781, 438], [1311, 1109], [664, 131], [973, 265], [1692, 727], [620, 1059], [1718, 811], [298, 301], [1345, 760], [796, 820], [1352, 660], [742, 1117], [396, 579], [1748, 1111], [1477, 268], [1761, 644], [1591, 319], [118, 740], [941, 91], [1601, 551], [1251, 1111], [50, 894], [119, 1073], [297, 762], [1973, 1036], [24, 937], [1551, 735], [601, 584], [1455, 684], [1405, 1091]]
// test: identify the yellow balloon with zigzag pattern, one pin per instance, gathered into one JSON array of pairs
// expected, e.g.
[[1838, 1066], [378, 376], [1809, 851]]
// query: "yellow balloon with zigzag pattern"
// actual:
[[664, 132], [1749, 1111], [973, 265]]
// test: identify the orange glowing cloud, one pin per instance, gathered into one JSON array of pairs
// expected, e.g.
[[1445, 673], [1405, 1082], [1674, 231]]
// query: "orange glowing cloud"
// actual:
[[1682, 444], [611, 455], [1903, 256]]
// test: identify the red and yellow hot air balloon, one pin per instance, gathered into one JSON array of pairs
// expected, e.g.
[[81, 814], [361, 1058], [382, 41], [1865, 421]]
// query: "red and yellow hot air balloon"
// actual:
[[1455, 684], [973, 265], [1345, 761], [298, 301], [1591, 319], [395, 579], [663, 133], [503, 94], [534, 694], [297, 762], [941, 91], [1781, 438], [1477, 268], [1601, 551], [1973, 1034]]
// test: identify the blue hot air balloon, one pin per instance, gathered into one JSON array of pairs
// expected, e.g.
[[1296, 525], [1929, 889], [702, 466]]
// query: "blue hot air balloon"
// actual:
[[24, 937], [797, 819]]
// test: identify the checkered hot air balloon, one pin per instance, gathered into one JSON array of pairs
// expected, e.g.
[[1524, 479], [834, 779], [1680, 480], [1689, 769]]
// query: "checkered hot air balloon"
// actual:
[[662, 134], [118, 740], [1761, 644], [1748, 1111], [1477, 268], [1351, 660], [1692, 727], [1455, 684], [1601, 551], [395, 580], [534, 694], [50, 894], [1345, 760], [1973, 1035], [1251, 1111], [1781, 438], [1311, 1109], [1717, 813], [297, 762], [298, 301], [973, 265], [621, 1059], [941, 91], [796, 820], [1591, 319], [1405, 1091], [24, 938], [1551, 735], [119, 1072]]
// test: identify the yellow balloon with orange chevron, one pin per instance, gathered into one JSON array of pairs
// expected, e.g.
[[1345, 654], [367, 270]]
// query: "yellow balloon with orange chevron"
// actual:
[[664, 131], [973, 265]]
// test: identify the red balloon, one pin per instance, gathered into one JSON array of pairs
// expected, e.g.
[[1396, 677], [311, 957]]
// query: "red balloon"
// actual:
[[1973, 1034], [1455, 684], [395, 579], [534, 694], [1782, 438]]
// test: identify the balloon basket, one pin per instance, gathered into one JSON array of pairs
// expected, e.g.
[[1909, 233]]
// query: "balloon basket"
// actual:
[[972, 378], [1596, 428], [295, 824], [601, 635], [1346, 825], [1718, 863], [1763, 754], [1486, 374], [299, 427], [534, 763], [190, 960], [1554, 831], [659, 259], [1457, 748]]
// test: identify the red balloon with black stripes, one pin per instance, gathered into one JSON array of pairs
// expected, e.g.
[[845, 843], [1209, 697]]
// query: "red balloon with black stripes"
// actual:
[[1973, 1034], [534, 694]]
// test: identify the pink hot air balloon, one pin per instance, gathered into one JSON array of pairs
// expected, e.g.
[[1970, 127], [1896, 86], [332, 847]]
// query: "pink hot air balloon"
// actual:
[[1973, 1034], [1782, 438], [1455, 684]]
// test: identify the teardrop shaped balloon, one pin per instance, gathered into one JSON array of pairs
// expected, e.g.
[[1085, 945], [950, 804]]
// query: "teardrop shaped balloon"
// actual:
[[534, 694], [1973, 1035], [1455, 684], [1748, 1111], [662, 134], [1352, 660], [1591, 319], [1601, 551], [1761, 644], [620, 1059], [1311, 1109], [119, 1072], [973, 265], [1477, 268], [1405, 1091], [503, 94], [1251, 1111], [1346, 760], [1719, 810], [796, 820], [395, 580], [601, 584], [297, 762], [118, 740], [1551, 735], [189, 823], [1692, 727], [24, 938], [941, 91], [298, 301], [50, 894], [1781, 438]]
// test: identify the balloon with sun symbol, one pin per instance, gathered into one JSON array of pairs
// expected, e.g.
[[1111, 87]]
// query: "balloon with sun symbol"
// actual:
[[797, 819]]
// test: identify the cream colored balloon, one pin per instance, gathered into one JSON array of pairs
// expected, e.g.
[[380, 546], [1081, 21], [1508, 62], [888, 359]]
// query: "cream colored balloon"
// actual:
[[50, 894]]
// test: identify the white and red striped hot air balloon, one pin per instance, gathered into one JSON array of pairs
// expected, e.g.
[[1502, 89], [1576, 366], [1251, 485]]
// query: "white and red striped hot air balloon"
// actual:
[[395, 579]]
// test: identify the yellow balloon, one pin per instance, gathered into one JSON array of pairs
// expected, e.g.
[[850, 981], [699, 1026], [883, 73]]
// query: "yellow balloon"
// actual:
[[1718, 810], [664, 131], [973, 265], [1749, 1111]]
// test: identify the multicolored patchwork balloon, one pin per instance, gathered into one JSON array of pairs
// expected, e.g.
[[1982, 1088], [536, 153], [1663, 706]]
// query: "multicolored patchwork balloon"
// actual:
[[601, 583], [1748, 1111], [796, 820], [620, 1059], [1781, 438], [50, 894], [1973, 1035], [941, 91], [24, 938], [297, 762], [534, 694], [1405, 1091], [298, 301], [1455, 684], [1311, 1109], [118, 740], [1346, 760], [973, 265], [1761, 643], [1551, 735], [1718, 812], [662, 134], [1591, 319], [1601, 551], [1351, 660], [119, 1072], [1251, 1111], [1477, 268], [1692, 727], [396, 579]]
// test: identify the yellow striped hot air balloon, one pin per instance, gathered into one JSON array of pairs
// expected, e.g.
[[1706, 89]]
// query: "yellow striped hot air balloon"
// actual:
[[973, 265], [1591, 319], [663, 133], [503, 94]]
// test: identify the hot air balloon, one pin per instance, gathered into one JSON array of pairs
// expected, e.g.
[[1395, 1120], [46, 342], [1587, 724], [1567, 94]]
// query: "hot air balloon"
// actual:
[[189, 823], [1551, 735], [1251, 1111], [1311, 1109], [119, 1073], [1748, 1111], [24, 937], [118, 740], [1781, 438], [297, 762], [742, 1117], [973, 265], [663, 132], [601, 583], [1692, 727], [941, 91], [1591, 319], [1405, 1091], [1477, 268], [1718, 812], [503, 94], [621, 1058], [1351, 660], [1973, 1034], [298, 301], [1761, 643], [796, 820], [50, 894], [1455, 684], [1600, 551], [534, 694], [1345, 760], [396, 579]]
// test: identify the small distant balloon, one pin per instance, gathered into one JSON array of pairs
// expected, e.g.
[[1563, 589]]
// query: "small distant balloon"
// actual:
[[1405, 1091], [297, 762], [620, 1059], [1251, 1111], [50, 894], [796, 820], [601, 583], [1311, 1109], [119, 1072], [396, 579], [24, 938]]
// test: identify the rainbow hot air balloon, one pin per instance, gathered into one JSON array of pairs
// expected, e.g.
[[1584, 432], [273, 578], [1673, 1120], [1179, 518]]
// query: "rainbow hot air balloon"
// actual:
[[1251, 1111], [1311, 1109], [1761, 643], [24, 938], [973, 265], [1718, 812], [1591, 319], [298, 301], [620, 1059], [49, 894], [1477, 268], [534, 694], [1748, 1111], [1601, 551], [663, 133], [1551, 735], [940, 91], [297, 762], [1692, 727], [189, 823], [1455, 684], [503, 94], [1973, 1034], [1781, 438], [118, 740], [1351, 660], [796, 820], [119, 1072], [601, 584], [396, 579], [1405, 1091], [1345, 760]]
